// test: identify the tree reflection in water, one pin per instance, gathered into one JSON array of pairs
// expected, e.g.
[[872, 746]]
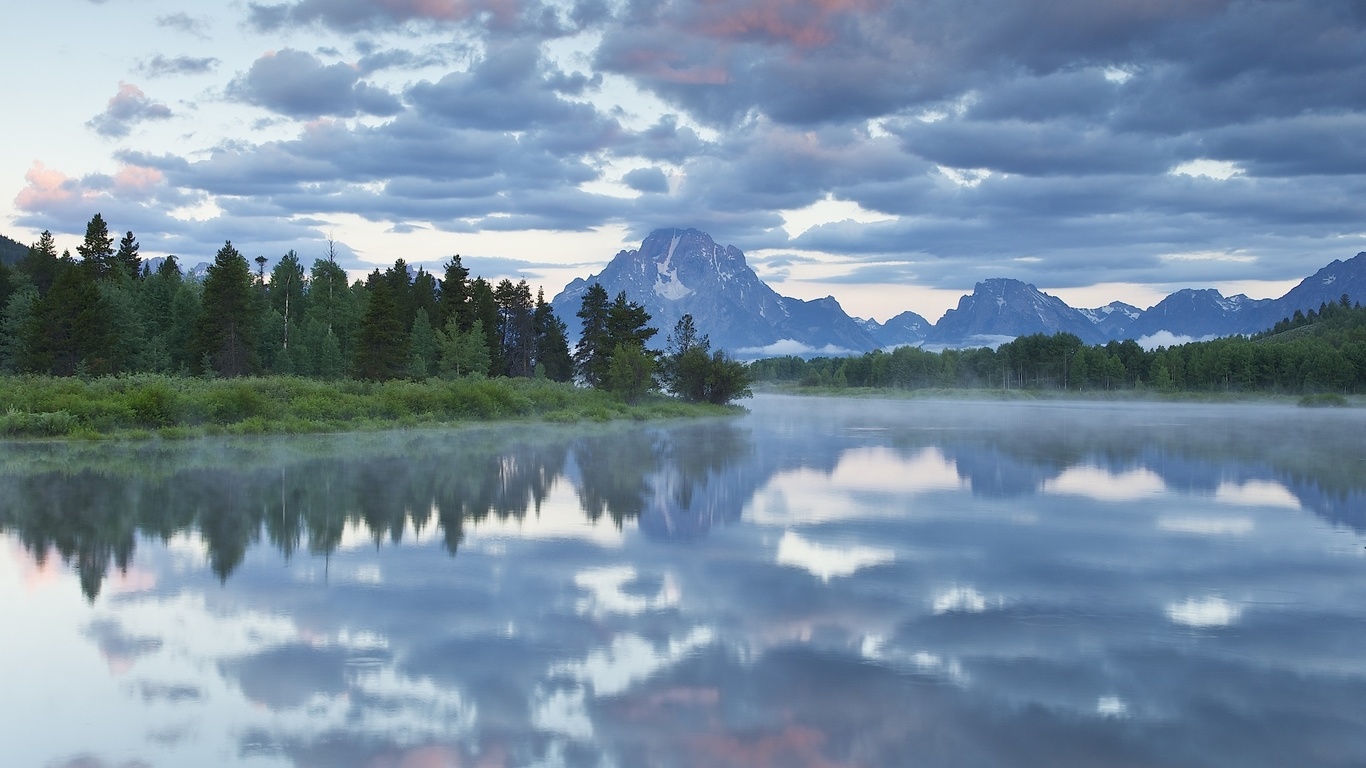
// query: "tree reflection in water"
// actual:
[[90, 506]]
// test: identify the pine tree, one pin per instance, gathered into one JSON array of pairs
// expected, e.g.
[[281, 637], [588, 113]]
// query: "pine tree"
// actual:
[[287, 286], [381, 340], [224, 331], [126, 260], [463, 353], [70, 330], [484, 309], [332, 302], [454, 301], [552, 345], [422, 347], [592, 353], [516, 332], [41, 263], [98, 248]]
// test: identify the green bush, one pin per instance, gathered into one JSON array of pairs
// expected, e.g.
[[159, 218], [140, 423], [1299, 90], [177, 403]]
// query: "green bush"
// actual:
[[1324, 400]]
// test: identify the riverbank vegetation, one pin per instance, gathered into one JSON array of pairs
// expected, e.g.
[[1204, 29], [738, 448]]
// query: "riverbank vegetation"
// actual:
[[1319, 352], [145, 405], [109, 344]]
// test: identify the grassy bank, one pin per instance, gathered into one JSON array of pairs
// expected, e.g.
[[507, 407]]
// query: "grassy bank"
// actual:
[[149, 405]]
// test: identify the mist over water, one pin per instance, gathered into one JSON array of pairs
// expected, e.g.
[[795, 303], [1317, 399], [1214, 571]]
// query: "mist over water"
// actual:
[[824, 582]]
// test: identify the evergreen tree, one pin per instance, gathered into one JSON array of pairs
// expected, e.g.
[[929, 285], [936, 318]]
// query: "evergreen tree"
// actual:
[[685, 381], [14, 324], [401, 291], [381, 340], [516, 331], [552, 345], [463, 353], [423, 348], [425, 292], [69, 330], [592, 353], [98, 248], [126, 260], [7, 278], [41, 263], [286, 294], [484, 308], [223, 335], [332, 302], [628, 323], [454, 300]]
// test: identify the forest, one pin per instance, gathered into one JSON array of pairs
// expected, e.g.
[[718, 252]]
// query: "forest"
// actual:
[[1322, 351], [108, 312]]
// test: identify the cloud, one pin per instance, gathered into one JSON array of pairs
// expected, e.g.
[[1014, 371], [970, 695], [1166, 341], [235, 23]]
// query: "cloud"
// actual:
[[299, 85], [366, 15], [161, 66], [125, 110], [783, 347], [646, 180], [184, 22], [1167, 339]]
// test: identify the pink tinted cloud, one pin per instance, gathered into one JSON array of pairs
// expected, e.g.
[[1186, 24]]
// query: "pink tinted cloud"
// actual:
[[802, 23], [664, 66], [47, 188], [51, 191], [450, 10], [137, 180]]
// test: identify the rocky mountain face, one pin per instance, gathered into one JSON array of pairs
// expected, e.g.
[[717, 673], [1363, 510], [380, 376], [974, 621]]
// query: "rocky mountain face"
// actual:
[[1001, 309], [907, 328], [683, 271], [1199, 314]]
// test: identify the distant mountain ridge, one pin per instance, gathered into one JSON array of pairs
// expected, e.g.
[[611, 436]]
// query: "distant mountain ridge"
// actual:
[[11, 251], [684, 271]]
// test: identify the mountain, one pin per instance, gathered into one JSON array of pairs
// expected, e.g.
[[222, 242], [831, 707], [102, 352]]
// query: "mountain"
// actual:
[[1113, 319], [683, 271], [1323, 287], [1000, 309], [678, 271], [906, 329], [11, 251], [1205, 313], [1201, 314]]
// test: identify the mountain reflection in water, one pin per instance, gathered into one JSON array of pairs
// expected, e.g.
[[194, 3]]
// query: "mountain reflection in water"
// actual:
[[821, 583]]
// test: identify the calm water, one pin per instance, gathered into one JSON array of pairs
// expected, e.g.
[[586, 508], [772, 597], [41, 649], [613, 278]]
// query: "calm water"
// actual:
[[820, 583]]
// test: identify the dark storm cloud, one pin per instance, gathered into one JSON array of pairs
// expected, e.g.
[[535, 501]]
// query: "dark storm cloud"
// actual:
[[299, 85], [125, 110], [162, 66]]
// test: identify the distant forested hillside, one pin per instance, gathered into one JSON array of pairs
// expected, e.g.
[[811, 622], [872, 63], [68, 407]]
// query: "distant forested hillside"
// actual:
[[1321, 351], [11, 251]]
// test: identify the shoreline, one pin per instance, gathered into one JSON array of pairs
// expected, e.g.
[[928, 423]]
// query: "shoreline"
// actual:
[[1047, 395], [153, 406]]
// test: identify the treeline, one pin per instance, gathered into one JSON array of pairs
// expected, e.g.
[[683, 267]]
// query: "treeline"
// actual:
[[1323, 350], [107, 312]]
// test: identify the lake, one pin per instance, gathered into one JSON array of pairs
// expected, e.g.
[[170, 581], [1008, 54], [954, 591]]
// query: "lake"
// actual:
[[823, 582]]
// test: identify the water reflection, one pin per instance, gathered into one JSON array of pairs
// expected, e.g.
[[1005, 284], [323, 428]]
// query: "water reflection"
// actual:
[[870, 584]]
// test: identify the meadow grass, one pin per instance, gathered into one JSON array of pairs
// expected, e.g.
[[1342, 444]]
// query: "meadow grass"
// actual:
[[151, 405]]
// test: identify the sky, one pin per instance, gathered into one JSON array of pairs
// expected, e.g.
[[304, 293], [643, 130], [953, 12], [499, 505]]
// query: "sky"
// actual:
[[890, 154]]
